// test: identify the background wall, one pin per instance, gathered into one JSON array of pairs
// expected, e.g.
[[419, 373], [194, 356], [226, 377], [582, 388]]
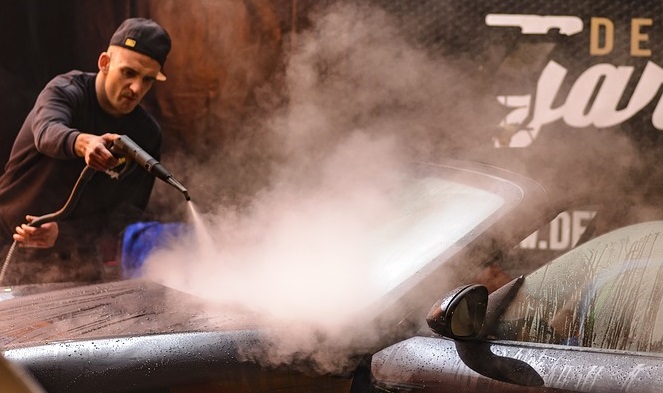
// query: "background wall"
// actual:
[[231, 66], [222, 52]]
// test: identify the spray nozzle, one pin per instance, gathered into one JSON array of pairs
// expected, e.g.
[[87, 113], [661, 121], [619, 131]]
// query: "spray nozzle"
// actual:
[[171, 180], [125, 147]]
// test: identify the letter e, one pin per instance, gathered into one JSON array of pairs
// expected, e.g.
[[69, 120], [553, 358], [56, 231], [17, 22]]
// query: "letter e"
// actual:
[[637, 36]]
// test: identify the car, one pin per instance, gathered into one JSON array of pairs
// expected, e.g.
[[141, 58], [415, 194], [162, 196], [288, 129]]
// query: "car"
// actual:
[[591, 320], [450, 223]]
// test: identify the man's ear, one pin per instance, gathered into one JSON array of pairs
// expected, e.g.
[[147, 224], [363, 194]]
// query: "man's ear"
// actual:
[[104, 62]]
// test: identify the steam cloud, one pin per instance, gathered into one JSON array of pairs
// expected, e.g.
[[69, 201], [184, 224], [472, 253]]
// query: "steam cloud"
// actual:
[[363, 101]]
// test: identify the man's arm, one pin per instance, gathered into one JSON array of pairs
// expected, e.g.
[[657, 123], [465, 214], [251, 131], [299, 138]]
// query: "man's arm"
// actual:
[[54, 112], [54, 136]]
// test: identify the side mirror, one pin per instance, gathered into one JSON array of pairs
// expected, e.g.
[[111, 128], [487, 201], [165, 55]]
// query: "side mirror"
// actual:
[[460, 315]]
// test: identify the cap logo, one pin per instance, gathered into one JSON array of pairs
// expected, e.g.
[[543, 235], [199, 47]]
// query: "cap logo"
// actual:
[[130, 43]]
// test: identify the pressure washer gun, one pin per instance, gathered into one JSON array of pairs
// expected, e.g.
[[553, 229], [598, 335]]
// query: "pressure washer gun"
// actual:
[[127, 148]]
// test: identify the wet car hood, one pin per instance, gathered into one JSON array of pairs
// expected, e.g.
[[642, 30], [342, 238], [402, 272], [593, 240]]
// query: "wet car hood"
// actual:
[[116, 309], [88, 338]]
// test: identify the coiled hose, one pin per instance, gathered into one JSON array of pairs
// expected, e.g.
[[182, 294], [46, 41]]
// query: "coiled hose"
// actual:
[[76, 192]]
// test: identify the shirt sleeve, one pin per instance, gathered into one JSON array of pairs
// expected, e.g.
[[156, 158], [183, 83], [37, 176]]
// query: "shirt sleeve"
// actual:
[[54, 110]]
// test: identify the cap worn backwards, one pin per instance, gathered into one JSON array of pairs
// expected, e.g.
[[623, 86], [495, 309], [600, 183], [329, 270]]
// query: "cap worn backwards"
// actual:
[[144, 36]]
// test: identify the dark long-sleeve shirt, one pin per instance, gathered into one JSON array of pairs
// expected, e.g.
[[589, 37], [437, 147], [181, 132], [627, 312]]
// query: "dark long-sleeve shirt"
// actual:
[[43, 168]]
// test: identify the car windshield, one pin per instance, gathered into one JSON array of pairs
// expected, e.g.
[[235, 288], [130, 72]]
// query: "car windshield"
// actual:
[[430, 214], [433, 213], [606, 293]]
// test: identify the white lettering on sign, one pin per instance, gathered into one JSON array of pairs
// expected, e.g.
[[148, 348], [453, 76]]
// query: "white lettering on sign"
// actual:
[[596, 95], [537, 24], [592, 101], [562, 233]]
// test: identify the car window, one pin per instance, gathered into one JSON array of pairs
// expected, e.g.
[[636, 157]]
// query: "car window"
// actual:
[[606, 293], [430, 214]]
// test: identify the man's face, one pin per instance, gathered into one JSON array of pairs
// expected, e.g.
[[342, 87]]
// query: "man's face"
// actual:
[[127, 77]]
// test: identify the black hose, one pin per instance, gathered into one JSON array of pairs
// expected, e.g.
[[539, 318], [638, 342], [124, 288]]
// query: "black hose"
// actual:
[[76, 192]]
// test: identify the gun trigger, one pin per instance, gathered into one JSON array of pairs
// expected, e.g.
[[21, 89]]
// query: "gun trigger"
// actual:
[[113, 174]]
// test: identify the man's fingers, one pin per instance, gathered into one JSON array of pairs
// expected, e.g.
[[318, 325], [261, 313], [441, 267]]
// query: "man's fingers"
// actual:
[[26, 230], [101, 158], [22, 236], [95, 150], [95, 164], [109, 138], [42, 237]]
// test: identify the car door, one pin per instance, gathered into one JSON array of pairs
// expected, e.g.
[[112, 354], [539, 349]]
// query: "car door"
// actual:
[[589, 321]]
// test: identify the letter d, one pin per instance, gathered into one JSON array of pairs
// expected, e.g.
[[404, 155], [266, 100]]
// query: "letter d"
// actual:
[[606, 26]]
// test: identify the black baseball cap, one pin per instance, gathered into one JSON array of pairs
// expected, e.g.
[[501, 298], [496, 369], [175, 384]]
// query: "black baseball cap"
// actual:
[[144, 36]]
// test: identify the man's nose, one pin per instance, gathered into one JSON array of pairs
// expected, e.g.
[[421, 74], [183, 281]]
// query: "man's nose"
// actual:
[[137, 86]]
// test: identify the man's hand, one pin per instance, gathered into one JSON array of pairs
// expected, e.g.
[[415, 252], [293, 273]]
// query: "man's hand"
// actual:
[[43, 236], [94, 149]]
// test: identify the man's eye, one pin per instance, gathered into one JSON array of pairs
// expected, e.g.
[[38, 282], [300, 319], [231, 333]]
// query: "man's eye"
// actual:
[[128, 73]]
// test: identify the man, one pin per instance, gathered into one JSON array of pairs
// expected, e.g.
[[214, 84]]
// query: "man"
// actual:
[[73, 123]]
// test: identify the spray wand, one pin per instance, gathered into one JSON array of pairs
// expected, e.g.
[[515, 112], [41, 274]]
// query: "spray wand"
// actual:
[[125, 147], [121, 147]]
